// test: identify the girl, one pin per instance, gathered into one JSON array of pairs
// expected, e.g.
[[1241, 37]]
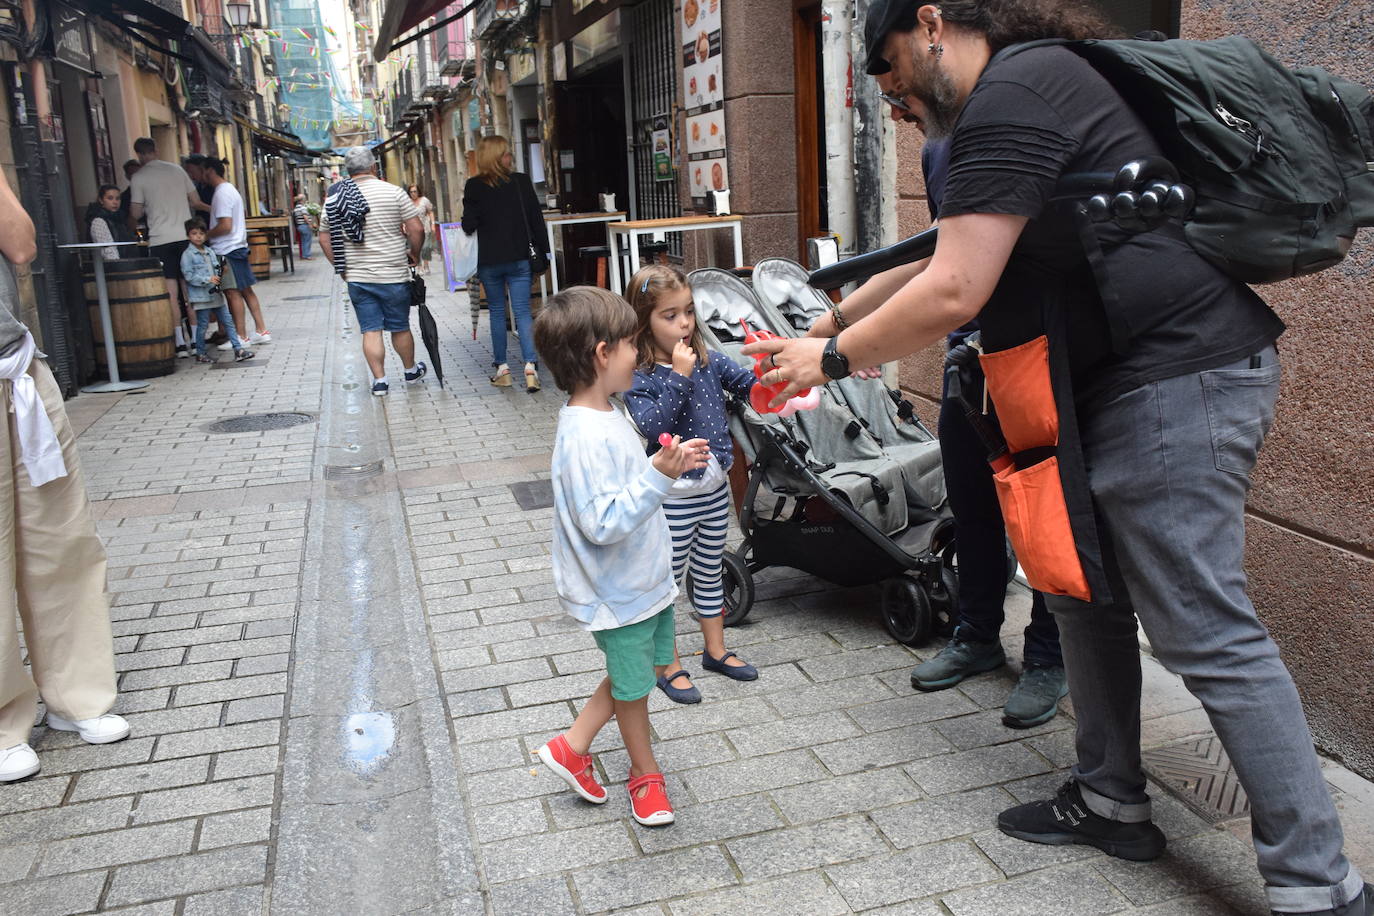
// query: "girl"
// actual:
[[678, 390]]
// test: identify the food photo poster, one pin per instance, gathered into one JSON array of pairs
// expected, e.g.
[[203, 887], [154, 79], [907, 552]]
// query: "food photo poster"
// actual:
[[703, 92]]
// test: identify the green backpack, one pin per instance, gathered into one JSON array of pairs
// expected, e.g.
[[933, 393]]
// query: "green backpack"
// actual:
[[1281, 161]]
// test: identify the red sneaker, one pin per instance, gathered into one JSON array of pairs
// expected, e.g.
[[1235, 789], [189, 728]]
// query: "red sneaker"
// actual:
[[652, 808], [574, 769]]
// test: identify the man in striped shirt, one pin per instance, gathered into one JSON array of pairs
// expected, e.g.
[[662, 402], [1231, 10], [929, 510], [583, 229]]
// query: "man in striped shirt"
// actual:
[[377, 268]]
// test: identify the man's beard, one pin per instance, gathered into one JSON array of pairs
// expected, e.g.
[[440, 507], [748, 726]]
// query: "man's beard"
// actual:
[[939, 97]]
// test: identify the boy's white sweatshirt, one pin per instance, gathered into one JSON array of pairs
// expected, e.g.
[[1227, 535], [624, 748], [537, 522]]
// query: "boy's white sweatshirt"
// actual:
[[612, 557]]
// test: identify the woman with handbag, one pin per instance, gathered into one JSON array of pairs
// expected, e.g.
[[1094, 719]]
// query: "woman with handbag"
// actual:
[[500, 206]]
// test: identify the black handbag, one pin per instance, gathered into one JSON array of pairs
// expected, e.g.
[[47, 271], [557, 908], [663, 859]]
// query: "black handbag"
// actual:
[[539, 261]]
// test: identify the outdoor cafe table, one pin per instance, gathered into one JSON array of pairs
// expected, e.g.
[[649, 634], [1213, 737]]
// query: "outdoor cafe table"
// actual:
[[553, 220], [115, 383], [633, 229]]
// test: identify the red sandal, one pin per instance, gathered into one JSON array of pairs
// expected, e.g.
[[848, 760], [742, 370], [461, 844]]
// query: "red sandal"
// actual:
[[652, 809], [574, 769]]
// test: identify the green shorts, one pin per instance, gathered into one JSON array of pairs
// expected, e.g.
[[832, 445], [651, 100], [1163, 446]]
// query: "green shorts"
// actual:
[[632, 653]]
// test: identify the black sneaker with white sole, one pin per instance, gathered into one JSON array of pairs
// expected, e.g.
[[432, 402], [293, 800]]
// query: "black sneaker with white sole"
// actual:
[[414, 375], [243, 356], [379, 389], [1065, 820]]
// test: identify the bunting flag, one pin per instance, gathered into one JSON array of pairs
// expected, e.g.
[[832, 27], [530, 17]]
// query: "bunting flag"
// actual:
[[315, 51], [304, 34], [330, 32], [362, 26], [272, 33]]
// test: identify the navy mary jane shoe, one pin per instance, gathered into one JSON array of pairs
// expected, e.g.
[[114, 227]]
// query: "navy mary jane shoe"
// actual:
[[687, 695], [745, 672]]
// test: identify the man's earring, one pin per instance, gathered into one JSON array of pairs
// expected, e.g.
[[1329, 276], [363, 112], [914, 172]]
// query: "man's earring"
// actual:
[[937, 50]]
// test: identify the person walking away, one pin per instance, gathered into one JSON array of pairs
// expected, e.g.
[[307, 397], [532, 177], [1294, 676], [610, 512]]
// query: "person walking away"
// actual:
[[500, 206], [976, 646], [611, 556], [229, 238], [381, 234], [426, 209], [680, 389], [1163, 423], [104, 226], [52, 564], [302, 218], [203, 270], [164, 193]]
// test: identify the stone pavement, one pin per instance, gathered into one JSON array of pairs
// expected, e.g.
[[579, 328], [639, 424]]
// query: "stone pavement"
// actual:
[[339, 646]]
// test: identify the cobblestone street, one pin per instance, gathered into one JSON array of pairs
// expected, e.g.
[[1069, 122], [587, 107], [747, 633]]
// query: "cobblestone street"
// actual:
[[337, 671]]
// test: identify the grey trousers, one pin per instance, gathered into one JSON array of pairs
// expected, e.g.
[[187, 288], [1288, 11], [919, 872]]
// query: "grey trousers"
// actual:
[[1169, 465]]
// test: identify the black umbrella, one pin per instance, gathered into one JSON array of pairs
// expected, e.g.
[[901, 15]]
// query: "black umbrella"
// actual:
[[429, 330]]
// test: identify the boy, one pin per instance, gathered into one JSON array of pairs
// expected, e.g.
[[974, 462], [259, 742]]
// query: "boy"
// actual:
[[612, 561], [201, 267]]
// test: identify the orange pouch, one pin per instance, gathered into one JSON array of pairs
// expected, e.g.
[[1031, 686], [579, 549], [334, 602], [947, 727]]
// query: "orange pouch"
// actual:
[[1038, 526], [1019, 383]]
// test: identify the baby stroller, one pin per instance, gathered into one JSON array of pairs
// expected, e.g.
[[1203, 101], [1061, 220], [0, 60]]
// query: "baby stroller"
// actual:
[[851, 492]]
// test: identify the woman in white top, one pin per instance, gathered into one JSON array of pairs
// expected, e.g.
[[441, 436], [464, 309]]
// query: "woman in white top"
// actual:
[[106, 227], [426, 209]]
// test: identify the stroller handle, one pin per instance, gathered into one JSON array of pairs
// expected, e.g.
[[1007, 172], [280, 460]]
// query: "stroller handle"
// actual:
[[1139, 196]]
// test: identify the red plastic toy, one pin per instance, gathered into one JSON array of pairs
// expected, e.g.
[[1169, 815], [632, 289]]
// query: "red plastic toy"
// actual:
[[665, 439], [761, 394]]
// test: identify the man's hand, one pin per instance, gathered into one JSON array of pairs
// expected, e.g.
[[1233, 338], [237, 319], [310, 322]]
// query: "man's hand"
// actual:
[[680, 457], [796, 361], [684, 359]]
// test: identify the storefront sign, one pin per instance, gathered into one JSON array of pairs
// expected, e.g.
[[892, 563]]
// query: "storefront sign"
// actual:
[[71, 40], [703, 93]]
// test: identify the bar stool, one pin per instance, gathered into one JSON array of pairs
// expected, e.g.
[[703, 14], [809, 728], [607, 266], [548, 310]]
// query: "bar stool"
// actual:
[[601, 254]]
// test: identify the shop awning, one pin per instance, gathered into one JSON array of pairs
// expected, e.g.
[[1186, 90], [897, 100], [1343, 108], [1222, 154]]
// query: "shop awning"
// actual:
[[400, 16], [275, 141]]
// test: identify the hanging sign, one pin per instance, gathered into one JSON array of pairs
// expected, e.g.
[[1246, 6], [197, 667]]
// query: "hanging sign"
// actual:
[[661, 140], [703, 93]]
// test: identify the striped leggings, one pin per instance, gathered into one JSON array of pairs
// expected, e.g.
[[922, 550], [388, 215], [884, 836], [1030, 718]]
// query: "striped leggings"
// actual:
[[698, 526]]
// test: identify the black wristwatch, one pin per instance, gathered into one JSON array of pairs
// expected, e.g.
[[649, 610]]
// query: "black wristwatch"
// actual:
[[834, 364]]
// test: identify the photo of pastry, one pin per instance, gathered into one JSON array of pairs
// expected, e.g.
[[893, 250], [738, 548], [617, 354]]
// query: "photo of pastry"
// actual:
[[718, 176], [703, 47], [692, 86], [690, 10], [715, 5], [696, 131]]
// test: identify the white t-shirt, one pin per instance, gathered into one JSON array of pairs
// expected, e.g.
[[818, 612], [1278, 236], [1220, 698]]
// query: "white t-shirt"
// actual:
[[228, 202], [161, 187]]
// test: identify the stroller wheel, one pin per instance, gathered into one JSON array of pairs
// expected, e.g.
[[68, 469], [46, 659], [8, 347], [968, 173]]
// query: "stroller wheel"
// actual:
[[739, 588], [906, 611]]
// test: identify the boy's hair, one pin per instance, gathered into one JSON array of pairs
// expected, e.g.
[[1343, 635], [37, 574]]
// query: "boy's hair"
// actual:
[[569, 327], [215, 165], [645, 291], [195, 222]]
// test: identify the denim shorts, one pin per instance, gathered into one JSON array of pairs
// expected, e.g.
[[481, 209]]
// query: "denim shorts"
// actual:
[[634, 651], [381, 306], [243, 271]]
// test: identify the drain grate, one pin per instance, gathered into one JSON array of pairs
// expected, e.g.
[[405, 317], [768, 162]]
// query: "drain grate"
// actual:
[[260, 422], [352, 471], [533, 494], [1201, 775]]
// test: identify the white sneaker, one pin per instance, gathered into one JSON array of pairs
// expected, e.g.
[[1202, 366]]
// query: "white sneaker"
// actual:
[[183, 353], [226, 346], [261, 338], [17, 762], [104, 729]]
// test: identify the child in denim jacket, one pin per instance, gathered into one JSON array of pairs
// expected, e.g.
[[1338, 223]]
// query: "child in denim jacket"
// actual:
[[201, 268]]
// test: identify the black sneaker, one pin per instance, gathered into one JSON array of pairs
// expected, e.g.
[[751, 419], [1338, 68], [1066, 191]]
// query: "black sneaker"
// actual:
[[1361, 906], [379, 389], [960, 659], [418, 373], [1065, 821], [1035, 698]]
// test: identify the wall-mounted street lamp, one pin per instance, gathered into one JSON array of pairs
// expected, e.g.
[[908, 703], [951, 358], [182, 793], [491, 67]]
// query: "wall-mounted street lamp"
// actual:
[[239, 11]]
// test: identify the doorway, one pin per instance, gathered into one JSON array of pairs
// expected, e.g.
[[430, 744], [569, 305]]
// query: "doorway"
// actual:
[[591, 144], [810, 114]]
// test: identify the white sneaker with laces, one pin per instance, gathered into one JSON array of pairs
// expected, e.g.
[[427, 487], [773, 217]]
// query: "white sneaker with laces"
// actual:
[[226, 346], [18, 762], [105, 729], [261, 338]]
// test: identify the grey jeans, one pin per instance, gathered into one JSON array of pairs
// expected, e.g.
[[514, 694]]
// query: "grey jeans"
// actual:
[[1169, 466]]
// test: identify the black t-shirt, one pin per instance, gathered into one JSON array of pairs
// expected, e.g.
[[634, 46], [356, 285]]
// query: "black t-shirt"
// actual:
[[1044, 113]]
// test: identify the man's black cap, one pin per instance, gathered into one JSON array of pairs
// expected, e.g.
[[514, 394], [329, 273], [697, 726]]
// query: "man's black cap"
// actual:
[[881, 16]]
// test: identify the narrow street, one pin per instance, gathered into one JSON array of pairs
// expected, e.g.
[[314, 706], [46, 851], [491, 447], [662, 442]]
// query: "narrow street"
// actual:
[[340, 645]]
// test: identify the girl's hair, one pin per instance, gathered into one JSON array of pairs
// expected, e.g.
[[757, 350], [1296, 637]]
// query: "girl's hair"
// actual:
[[106, 187], [644, 293], [491, 166]]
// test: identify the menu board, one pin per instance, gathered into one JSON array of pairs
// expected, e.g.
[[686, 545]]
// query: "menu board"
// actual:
[[703, 92]]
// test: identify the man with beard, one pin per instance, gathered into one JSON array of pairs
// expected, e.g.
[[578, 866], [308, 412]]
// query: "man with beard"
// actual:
[[1162, 425]]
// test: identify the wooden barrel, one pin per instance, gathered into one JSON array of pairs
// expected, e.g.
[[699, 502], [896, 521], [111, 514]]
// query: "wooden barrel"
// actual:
[[259, 255], [140, 316]]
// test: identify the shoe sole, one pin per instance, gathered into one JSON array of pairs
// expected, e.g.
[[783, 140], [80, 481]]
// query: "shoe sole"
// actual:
[[107, 739], [568, 776], [685, 701], [24, 774], [946, 683], [657, 819], [502, 382], [1137, 851]]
